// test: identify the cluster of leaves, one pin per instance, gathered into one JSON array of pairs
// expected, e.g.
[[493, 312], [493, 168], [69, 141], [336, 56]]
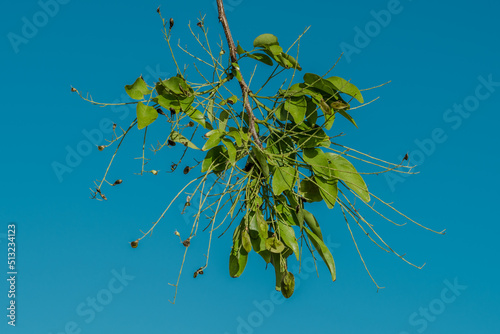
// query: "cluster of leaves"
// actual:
[[270, 166]]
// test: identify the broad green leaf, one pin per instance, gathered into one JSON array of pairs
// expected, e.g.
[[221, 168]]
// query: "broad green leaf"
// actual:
[[281, 113], [287, 284], [239, 49], [285, 213], [231, 150], [237, 263], [210, 111], [223, 118], [318, 161], [198, 117], [279, 269], [246, 242], [216, 159], [329, 119], [328, 190], [275, 50], [274, 245], [310, 191], [145, 115], [311, 112], [312, 138], [237, 136], [213, 140], [287, 234], [283, 179], [314, 80], [346, 87], [236, 71], [297, 107], [346, 172], [178, 138], [313, 224], [262, 161], [176, 86], [138, 89], [324, 252], [262, 58], [265, 40]]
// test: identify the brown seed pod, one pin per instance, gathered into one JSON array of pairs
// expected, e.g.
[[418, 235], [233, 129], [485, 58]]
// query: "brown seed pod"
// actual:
[[104, 197], [200, 272], [199, 24], [158, 10], [114, 126], [186, 242], [187, 169], [195, 274], [155, 172], [171, 23], [101, 147], [73, 89], [191, 124], [117, 182], [172, 112], [171, 142], [406, 157], [159, 111], [135, 243]]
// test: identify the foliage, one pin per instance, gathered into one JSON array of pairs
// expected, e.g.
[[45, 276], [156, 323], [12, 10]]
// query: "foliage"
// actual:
[[265, 156]]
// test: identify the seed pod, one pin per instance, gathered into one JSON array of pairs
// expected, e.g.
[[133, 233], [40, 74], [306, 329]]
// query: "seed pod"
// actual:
[[104, 197], [186, 242], [114, 126], [287, 284], [187, 169], [171, 142], [101, 147], [199, 24], [159, 111], [158, 10], [117, 182], [172, 112], [73, 89], [195, 274], [171, 23], [177, 233], [190, 124], [200, 272], [406, 157], [134, 244], [155, 172]]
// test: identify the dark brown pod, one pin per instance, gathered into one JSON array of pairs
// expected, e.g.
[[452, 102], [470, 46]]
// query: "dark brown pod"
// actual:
[[171, 23], [135, 243], [191, 124], [158, 10], [119, 181], [171, 142], [186, 242], [159, 111], [187, 169]]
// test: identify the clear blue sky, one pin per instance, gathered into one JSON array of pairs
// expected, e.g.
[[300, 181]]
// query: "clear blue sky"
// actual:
[[70, 249]]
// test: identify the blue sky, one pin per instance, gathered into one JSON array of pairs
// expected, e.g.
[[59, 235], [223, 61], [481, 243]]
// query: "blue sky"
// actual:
[[78, 274]]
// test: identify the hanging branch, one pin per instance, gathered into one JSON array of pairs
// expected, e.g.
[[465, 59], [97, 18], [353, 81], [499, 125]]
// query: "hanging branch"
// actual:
[[234, 60]]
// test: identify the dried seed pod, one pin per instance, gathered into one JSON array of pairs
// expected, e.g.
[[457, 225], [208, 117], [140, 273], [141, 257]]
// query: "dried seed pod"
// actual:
[[195, 274], [406, 157], [171, 142], [177, 233], [186, 242], [101, 147], [114, 126], [158, 10], [172, 112], [187, 169], [104, 197], [199, 24], [135, 243], [73, 89], [155, 172], [159, 111], [200, 272], [171, 23], [191, 124], [117, 182]]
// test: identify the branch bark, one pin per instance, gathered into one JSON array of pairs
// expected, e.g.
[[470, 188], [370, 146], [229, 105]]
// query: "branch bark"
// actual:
[[243, 85]]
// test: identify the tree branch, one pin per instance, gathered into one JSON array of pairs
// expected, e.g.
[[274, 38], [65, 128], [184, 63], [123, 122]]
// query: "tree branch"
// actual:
[[243, 85]]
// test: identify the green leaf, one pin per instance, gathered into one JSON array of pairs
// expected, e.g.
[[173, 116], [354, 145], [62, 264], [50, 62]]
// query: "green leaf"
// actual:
[[215, 159], [311, 112], [287, 284], [223, 118], [237, 263], [246, 242], [231, 150], [346, 172], [297, 107], [281, 113], [313, 224], [236, 72], [346, 87], [279, 269], [213, 140], [312, 138], [261, 158], [274, 245], [138, 89], [314, 80], [287, 234], [283, 179], [145, 115], [329, 119], [292, 61], [176, 86], [239, 49], [275, 51], [263, 58], [237, 137], [310, 191], [265, 40], [198, 117], [178, 138], [328, 190], [210, 111], [318, 161], [324, 252]]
